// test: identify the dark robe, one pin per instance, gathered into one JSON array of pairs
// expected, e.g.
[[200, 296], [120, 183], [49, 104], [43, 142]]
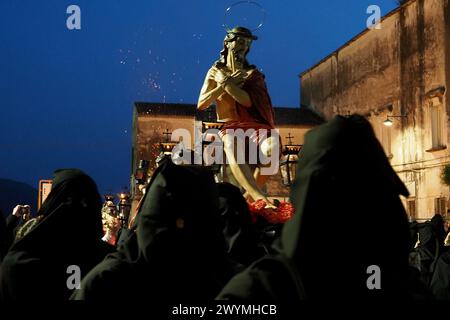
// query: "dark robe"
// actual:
[[178, 251], [13, 224], [36, 266], [244, 238], [5, 240], [348, 217], [413, 230], [431, 246], [440, 283]]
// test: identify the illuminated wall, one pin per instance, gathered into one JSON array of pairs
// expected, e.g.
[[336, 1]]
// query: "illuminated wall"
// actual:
[[401, 70]]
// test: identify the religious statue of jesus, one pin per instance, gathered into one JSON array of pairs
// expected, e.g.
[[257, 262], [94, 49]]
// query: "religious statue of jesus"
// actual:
[[240, 93]]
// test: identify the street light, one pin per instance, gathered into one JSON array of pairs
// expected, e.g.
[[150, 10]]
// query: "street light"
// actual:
[[288, 164], [388, 122], [176, 151]]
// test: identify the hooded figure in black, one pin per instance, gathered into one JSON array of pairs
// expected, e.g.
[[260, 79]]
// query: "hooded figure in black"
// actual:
[[69, 234], [431, 246], [348, 225], [178, 251], [244, 238], [440, 283], [4, 237]]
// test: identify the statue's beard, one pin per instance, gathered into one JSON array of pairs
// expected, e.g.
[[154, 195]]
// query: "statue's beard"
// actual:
[[239, 52], [239, 57]]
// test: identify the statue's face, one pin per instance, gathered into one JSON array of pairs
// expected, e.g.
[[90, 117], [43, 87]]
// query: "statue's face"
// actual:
[[239, 44]]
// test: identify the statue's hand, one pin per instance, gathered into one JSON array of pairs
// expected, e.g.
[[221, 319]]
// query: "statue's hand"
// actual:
[[238, 78], [212, 73], [220, 76]]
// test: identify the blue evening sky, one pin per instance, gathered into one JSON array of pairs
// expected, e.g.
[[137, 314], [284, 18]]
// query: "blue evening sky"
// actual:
[[66, 96]]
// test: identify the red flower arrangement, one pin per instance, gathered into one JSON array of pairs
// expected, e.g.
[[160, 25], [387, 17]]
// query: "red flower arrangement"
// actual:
[[281, 214]]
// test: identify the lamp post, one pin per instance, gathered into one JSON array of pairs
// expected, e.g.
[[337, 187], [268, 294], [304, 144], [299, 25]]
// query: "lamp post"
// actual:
[[168, 134], [288, 164], [167, 146], [124, 207]]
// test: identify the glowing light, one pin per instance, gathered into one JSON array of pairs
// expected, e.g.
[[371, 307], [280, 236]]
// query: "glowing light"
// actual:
[[388, 122]]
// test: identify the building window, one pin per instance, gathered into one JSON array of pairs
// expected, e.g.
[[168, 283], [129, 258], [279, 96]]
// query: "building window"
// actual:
[[436, 128], [440, 206], [411, 208], [437, 124]]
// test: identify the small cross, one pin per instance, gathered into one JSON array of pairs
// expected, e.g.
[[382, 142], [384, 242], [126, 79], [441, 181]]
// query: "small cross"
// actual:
[[167, 133], [289, 137]]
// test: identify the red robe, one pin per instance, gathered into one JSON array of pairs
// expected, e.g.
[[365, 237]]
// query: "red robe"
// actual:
[[260, 114]]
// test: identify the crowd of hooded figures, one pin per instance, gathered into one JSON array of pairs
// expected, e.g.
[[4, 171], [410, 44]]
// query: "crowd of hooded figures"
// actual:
[[194, 240]]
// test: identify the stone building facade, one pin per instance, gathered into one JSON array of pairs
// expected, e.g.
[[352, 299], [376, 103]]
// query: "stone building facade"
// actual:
[[401, 70]]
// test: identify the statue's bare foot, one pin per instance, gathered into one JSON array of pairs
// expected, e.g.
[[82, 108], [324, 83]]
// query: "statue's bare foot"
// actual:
[[268, 204]]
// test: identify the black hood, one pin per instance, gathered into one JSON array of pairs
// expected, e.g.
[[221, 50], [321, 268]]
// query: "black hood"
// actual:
[[348, 212], [180, 214], [72, 211]]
